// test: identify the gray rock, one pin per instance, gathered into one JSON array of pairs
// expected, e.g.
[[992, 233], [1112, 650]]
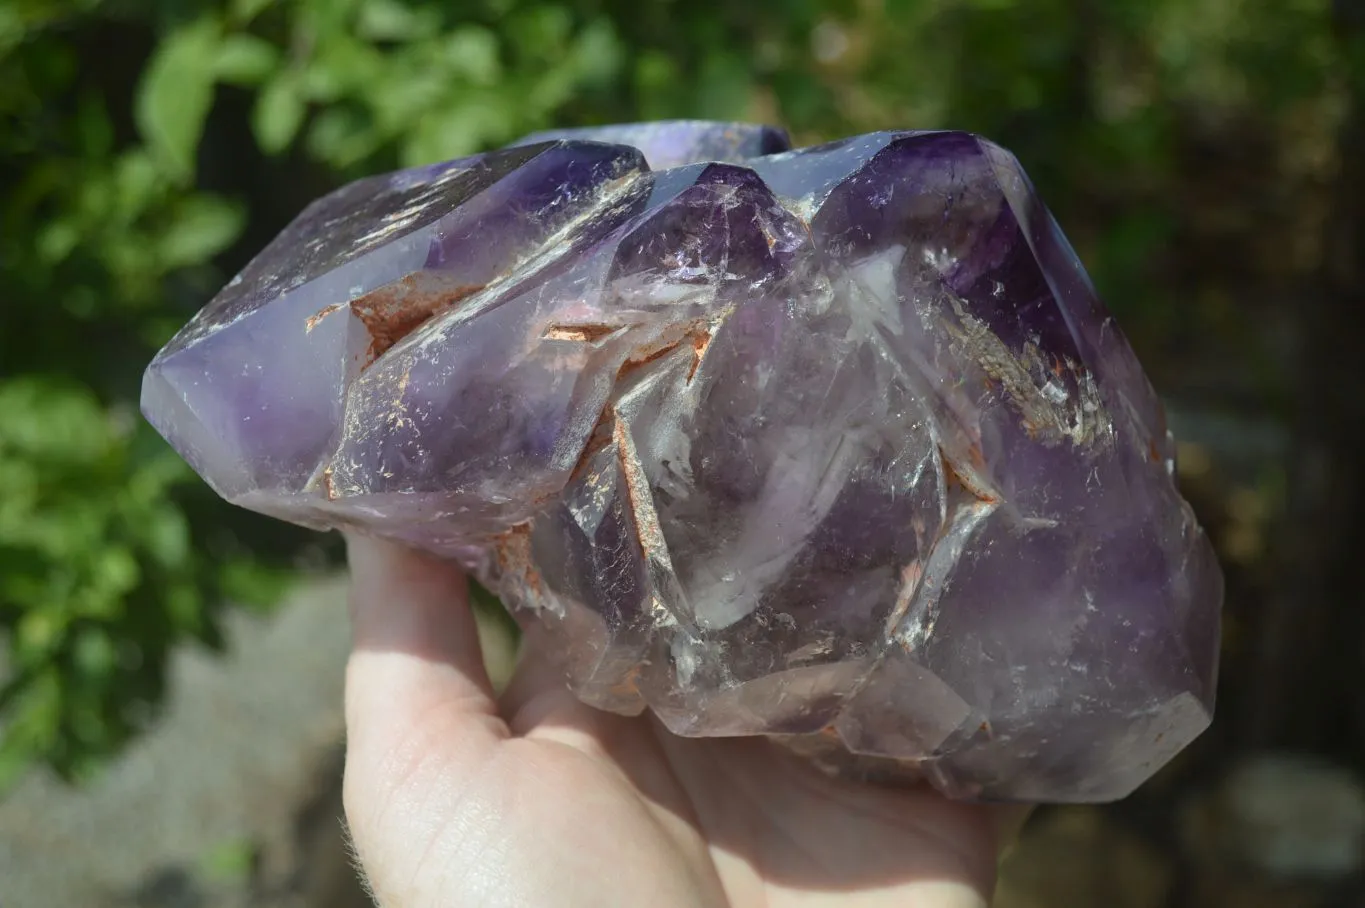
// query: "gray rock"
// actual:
[[232, 799]]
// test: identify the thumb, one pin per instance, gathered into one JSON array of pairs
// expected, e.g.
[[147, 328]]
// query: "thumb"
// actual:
[[420, 711]]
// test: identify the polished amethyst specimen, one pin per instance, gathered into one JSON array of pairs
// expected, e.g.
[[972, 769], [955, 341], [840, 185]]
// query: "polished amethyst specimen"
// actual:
[[835, 445]]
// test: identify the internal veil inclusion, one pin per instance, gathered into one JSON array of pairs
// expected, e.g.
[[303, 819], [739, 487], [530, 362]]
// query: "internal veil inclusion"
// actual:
[[835, 444]]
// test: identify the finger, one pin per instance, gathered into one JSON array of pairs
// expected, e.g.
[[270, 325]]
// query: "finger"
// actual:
[[538, 680], [538, 697], [416, 666], [538, 704]]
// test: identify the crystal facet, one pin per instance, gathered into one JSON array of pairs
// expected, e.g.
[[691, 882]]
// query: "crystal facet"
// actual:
[[835, 445]]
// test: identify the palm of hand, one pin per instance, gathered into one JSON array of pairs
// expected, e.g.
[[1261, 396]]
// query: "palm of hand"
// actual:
[[457, 798]]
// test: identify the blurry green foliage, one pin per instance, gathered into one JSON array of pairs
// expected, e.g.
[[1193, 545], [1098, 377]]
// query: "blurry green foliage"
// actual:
[[148, 147]]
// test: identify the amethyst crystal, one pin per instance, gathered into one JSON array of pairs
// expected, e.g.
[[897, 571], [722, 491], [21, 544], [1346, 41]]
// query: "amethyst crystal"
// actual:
[[671, 143], [835, 444]]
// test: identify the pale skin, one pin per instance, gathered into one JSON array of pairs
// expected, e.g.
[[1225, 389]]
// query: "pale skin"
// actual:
[[458, 796]]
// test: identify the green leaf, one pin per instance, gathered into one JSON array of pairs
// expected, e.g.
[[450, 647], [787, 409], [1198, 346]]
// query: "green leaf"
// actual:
[[204, 225], [97, 133], [51, 423], [341, 136], [390, 20], [34, 716], [56, 241], [37, 634], [245, 10], [183, 609], [258, 586], [166, 537], [137, 185], [464, 128], [658, 81], [724, 90], [539, 32], [473, 53], [245, 60], [347, 67], [597, 53], [114, 573], [94, 653], [279, 113], [176, 94]]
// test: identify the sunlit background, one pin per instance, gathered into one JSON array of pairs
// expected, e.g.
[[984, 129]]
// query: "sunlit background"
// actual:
[[179, 661]]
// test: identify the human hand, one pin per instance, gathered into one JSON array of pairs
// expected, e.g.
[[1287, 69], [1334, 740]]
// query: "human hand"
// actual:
[[456, 796]]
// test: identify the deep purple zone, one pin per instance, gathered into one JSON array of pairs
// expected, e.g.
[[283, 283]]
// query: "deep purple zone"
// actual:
[[836, 440]]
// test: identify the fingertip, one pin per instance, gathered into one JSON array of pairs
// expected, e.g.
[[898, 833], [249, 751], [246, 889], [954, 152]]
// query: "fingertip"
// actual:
[[372, 558], [402, 598]]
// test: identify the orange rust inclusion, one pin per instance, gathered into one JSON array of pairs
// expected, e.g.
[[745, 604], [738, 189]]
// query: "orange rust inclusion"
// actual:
[[644, 356], [700, 341], [601, 436], [957, 480], [319, 316], [583, 333], [394, 311], [696, 333], [629, 684], [513, 552]]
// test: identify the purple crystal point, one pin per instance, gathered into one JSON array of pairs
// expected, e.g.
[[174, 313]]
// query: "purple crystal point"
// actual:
[[835, 444], [672, 143]]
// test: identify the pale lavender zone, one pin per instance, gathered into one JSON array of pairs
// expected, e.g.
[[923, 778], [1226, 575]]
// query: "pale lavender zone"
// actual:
[[835, 442]]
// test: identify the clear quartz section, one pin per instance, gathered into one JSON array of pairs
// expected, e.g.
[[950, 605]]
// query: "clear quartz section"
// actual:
[[834, 444]]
